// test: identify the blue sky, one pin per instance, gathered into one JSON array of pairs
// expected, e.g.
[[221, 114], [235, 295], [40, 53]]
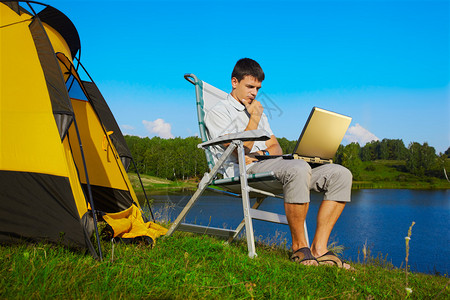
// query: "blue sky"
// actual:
[[384, 63]]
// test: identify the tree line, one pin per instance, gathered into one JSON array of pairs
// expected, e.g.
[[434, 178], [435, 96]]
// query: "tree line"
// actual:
[[179, 158], [420, 159]]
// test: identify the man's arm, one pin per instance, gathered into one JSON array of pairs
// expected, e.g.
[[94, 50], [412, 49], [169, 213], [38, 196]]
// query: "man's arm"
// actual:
[[220, 119], [273, 147], [255, 109]]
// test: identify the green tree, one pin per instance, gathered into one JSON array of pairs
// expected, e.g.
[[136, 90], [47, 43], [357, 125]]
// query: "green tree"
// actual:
[[398, 150], [395, 149], [370, 151], [383, 150], [386, 149], [349, 157], [439, 168], [286, 145], [168, 158], [421, 159], [339, 154]]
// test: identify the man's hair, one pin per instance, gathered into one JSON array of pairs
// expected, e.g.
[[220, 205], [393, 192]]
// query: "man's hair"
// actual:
[[247, 67]]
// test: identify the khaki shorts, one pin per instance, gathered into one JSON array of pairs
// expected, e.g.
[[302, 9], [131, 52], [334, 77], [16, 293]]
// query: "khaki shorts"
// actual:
[[298, 178]]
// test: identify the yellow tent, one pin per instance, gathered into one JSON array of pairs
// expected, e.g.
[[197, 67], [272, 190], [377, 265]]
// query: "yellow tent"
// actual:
[[62, 154]]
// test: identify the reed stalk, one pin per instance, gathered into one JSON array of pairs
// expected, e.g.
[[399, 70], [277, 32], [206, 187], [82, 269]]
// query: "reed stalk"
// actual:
[[407, 239]]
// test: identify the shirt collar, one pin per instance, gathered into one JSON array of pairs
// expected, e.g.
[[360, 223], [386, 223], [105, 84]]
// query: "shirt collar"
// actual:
[[236, 104]]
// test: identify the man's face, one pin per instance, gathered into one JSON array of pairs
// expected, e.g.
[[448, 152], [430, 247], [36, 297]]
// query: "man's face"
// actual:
[[246, 89]]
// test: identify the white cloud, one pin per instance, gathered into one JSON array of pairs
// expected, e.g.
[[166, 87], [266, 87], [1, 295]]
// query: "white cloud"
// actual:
[[159, 127], [127, 127], [360, 135]]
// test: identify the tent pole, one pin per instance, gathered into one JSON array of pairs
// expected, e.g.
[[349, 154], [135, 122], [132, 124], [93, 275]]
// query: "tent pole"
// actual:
[[91, 200], [142, 185]]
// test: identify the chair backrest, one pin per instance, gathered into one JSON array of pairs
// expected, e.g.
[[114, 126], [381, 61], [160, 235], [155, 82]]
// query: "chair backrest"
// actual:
[[206, 97]]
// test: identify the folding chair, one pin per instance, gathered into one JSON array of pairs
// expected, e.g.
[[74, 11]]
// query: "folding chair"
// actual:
[[244, 186]]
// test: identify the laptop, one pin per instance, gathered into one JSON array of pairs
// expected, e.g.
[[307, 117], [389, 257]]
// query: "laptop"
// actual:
[[320, 138]]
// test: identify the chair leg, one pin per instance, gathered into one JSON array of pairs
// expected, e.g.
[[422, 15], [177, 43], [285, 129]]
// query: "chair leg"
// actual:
[[238, 230], [185, 210], [248, 225], [256, 205], [246, 202], [306, 234], [206, 180]]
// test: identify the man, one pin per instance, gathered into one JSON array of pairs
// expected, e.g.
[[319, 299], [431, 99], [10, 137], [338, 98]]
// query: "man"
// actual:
[[240, 112]]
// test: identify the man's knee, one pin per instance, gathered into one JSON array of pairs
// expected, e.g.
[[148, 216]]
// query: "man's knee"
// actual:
[[330, 176], [297, 171], [339, 184], [341, 173], [295, 177]]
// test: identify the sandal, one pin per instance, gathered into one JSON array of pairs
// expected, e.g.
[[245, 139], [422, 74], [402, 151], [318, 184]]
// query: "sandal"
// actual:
[[303, 254], [331, 257]]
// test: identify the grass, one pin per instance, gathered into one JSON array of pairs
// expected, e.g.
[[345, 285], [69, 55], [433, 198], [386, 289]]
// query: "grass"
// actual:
[[391, 174], [156, 184], [187, 266]]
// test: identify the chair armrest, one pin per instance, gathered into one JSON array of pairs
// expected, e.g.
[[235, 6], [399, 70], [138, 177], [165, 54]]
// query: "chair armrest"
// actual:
[[249, 135]]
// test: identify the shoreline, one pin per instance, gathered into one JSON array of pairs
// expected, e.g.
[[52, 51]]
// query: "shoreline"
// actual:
[[160, 184], [361, 185]]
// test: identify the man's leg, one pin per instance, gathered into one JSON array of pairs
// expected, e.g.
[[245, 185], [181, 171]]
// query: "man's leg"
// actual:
[[336, 182], [329, 213], [296, 216]]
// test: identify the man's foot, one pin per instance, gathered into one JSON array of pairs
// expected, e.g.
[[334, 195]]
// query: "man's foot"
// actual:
[[331, 259], [303, 256]]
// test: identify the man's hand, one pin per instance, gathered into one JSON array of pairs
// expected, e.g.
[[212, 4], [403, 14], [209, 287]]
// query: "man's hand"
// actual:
[[249, 158], [255, 108]]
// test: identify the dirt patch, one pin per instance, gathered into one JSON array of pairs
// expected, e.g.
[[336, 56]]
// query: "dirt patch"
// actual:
[[149, 180]]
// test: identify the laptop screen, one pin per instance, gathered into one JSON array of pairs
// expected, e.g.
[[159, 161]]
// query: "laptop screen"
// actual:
[[322, 134]]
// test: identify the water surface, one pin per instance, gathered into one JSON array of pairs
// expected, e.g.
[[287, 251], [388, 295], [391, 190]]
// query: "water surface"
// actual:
[[378, 218]]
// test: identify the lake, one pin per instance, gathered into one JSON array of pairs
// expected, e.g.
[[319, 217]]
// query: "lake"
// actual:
[[378, 218]]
